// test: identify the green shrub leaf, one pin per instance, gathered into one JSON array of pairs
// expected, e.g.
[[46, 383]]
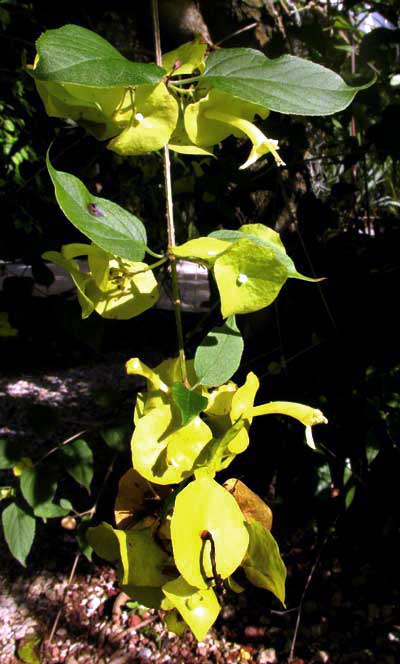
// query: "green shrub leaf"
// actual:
[[104, 542], [219, 354], [105, 223], [142, 559], [19, 531], [263, 564], [78, 461], [249, 277], [73, 54], [287, 84], [198, 608], [189, 402], [205, 506], [10, 453], [38, 487]]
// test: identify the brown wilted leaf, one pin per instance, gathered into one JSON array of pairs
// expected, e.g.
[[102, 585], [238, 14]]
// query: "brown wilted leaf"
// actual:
[[136, 496], [251, 505]]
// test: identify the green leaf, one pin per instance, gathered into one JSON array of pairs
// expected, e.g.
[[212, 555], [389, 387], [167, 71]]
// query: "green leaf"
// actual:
[[104, 542], [117, 436], [105, 223], [249, 277], [81, 536], [189, 403], [263, 564], [151, 598], [78, 461], [265, 237], [38, 487], [219, 354], [188, 57], [205, 506], [143, 561], [156, 116], [19, 531], [10, 453], [198, 608], [164, 452], [52, 510], [287, 84], [28, 649], [73, 54]]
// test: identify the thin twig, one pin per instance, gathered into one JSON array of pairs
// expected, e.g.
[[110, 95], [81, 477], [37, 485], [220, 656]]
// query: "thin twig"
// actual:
[[65, 442], [170, 212], [307, 585], [236, 33], [60, 610]]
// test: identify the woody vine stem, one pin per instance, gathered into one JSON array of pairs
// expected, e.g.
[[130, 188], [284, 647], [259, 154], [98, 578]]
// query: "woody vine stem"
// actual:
[[170, 212]]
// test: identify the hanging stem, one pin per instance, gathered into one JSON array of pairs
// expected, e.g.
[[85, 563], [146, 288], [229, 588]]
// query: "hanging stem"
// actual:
[[170, 212]]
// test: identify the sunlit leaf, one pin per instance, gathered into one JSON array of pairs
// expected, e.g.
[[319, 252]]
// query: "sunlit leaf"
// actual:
[[130, 290], [198, 608], [185, 59], [163, 451], [263, 564], [143, 561], [155, 116], [175, 623], [204, 131], [249, 277], [203, 250], [205, 506]]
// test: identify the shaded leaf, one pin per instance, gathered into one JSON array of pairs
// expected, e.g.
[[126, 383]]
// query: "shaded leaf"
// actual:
[[19, 528], [78, 461], [73, 54], [114, 229], [219, 354], [287, 84], [190, 403], [38, 487], [263, 564], [133, 493], [10, 453], [104, 541]]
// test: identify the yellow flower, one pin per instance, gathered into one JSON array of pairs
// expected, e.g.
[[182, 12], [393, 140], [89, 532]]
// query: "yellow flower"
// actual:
[[261, 144]]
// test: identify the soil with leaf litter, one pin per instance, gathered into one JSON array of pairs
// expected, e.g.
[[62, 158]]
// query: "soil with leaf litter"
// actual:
[[348, 615]]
